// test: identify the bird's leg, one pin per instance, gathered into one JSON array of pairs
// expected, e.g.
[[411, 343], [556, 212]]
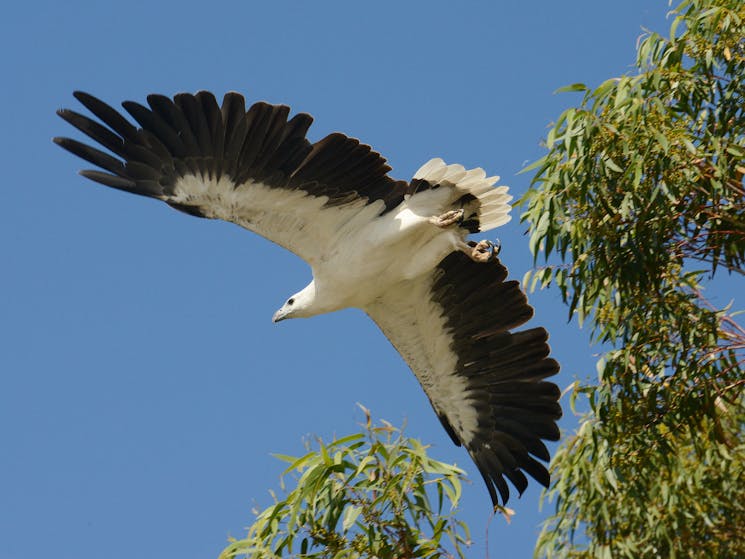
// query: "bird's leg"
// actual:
[[447, 219], [483, 251]]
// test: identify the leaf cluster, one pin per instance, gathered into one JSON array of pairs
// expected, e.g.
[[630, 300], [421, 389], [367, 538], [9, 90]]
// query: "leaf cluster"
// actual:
[[647, 172], [372, 494], [641, 199]]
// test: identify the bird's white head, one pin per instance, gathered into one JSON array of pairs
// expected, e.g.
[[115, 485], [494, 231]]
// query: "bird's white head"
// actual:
[[299, 305]]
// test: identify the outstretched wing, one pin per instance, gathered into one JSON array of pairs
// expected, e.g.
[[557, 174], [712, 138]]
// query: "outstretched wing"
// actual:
[[251, 167], [485, 383]]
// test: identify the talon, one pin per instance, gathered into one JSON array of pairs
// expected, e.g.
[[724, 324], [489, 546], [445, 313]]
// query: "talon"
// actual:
[[483, 251], [448, 218]]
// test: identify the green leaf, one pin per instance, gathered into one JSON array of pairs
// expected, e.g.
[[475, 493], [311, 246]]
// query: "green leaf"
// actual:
[[612, 165], [533, 165], [662, 140], [572, 87], [298, 464], [350, 517]]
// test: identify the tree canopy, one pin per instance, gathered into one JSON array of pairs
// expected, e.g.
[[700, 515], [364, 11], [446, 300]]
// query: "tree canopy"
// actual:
[[375, 494], [638, 203]]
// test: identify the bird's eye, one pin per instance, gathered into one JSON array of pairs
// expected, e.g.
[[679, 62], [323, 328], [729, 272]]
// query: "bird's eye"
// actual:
[[290, 301]]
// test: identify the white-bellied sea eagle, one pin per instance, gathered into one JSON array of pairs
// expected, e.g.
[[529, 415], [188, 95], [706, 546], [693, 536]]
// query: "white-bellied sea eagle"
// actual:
[[397, 250]]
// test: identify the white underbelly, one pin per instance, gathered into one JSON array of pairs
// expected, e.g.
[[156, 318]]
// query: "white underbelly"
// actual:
[[367, 264]]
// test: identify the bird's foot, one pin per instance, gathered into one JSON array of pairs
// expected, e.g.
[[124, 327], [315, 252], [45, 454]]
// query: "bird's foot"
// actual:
[[447, 219], [483, 251]]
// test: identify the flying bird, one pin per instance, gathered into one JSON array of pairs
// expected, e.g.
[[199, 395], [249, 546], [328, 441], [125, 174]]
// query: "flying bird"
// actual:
[[398, 250]]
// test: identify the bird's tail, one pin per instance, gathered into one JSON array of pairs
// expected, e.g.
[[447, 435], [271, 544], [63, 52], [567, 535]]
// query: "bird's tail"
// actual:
[[492, 205]]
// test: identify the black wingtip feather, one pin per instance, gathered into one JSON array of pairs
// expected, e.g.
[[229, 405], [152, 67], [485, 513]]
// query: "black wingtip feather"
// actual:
[[106, 179], [93, 130], [107, 114], [91, 155]]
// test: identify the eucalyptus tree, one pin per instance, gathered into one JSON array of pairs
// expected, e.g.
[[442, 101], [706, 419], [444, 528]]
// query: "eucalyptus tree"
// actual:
[[637, 205]]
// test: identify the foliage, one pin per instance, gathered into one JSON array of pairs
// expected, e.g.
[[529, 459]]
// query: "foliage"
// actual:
[[365, 495], [640, 199]]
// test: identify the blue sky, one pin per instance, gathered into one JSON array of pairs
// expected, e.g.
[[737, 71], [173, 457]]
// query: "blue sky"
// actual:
[[143, 386]]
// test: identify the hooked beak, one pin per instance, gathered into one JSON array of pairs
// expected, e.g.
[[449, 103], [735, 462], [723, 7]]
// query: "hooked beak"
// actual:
[[279, 315]]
